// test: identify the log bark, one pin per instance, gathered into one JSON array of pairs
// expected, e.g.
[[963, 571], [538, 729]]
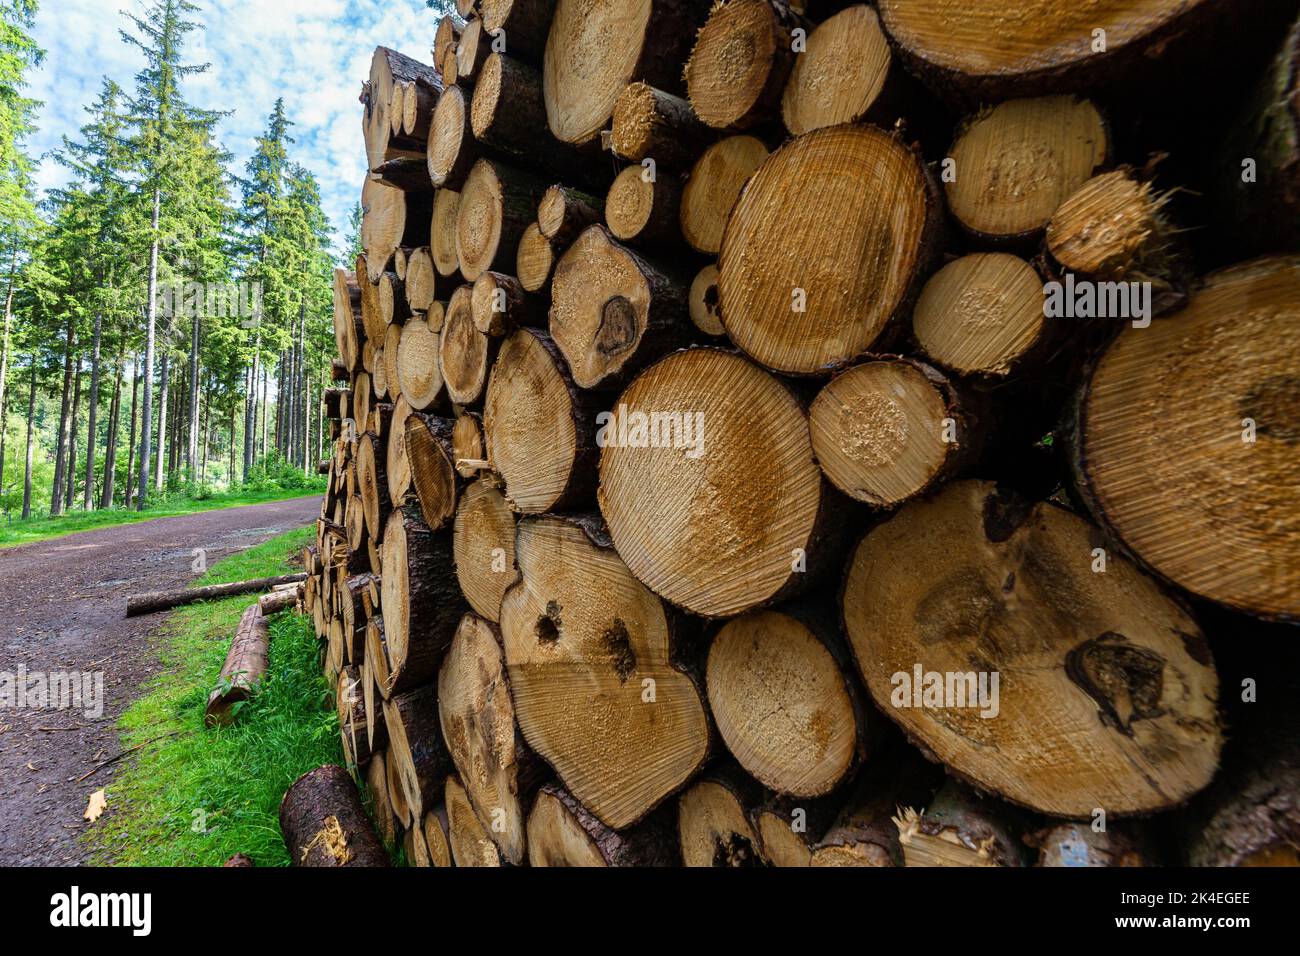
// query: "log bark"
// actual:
[[154, 601], [244, 669], [561, 832], [652, 124], [324, 823], [496, 205]]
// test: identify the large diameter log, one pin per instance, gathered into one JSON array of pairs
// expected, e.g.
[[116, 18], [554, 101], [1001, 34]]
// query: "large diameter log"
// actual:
[[431, 458], [715, 183], [417, 363], [465, 354], [741, 61], [713, 821], [416, 748], [595, 50], [421, 600], [982, 314], [1186, 428], [500, 774], [717, 452], [889, 429], [562, 832], [613, 311], [984, 52], [842, 74], [496, 205], [596, 675], [652, 124], [806, 315], [1018, 161], [483, 546], [540, 430], [393, 219], [243, 671], [152, 601], [973, 591], [782, 691], [469, 840], [324, 823]]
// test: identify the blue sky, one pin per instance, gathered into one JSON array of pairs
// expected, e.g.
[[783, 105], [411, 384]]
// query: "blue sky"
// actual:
[[314, 53]]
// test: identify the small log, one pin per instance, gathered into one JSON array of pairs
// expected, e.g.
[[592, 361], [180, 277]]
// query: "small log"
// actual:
[[377, 786], [483, 546], [431, 456], [501, 304], [452, 151], [645, 211], [324, 823], [243, 671], [713, 821], [960, 828], [442, 232], [153, 601], [496, 205], [652, 124], [564, 212], [535, 259], [415, 747], [713, 187], [561, 832], [469, 840], [465, 355]]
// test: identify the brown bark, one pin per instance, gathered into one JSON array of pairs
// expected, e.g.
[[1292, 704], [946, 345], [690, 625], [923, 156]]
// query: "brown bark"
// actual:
[[324, 823]]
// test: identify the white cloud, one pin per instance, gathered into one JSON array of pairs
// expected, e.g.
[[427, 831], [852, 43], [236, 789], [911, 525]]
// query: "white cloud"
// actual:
[[314, 53]]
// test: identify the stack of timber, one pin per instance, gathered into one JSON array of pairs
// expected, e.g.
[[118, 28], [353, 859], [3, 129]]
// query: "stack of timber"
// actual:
[[782, 434]]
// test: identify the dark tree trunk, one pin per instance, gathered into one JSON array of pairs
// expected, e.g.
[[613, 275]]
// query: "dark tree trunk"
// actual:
[[192, 447], [130, 454], [162, 426], [31, 412], [114, 426], [88, 499], [71, 492], [61, 451]]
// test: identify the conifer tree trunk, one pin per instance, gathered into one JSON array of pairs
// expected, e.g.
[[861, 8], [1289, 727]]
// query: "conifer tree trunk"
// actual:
[[114, 427], [146, 403], [130, 445], [4, 354], [162, 425], [88, 498], [31, 411], [61, 450], [192, 448], [71, 491]]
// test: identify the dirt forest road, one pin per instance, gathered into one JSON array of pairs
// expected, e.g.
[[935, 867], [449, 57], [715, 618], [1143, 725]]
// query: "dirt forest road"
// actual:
[[65, 611]]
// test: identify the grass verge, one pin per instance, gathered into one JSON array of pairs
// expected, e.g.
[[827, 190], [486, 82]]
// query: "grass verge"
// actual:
[[44, 528], [198, 796]]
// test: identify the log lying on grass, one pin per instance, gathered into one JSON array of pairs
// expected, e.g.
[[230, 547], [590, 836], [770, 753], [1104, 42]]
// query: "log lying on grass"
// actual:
[[152, 601], [280, 599], [972, 591], [324, 823], [244, 668]]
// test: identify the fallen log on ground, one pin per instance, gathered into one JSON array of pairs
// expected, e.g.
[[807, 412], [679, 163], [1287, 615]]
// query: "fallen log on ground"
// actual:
[[324, 823], [244, 668], [153, 601]]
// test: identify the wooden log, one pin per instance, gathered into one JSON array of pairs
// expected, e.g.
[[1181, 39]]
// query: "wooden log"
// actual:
[[564, 212], [861, 183], [388, 68], [585, 70], [496, 205], [452, 151], [417, 108], [467, 444], [469, 840], [474, 47], [703, 303], [354, 726], [377, 786], [324, 823], [421, 282], [890, 429], [1115, 687], [445, 39], [407, 174], [244, 669], [372, 478], [645, 211], [278, 601], [442, 232], [713, 821], [393, 307], [392, 219], [416, 747], [561, 832], [500, 304], [736, 542], [540, 430], [613, 311], [1225, 452], [788, 828], [152, 601], [349, 329], [959, 828], [782, 691], [652, 124], [584, 644], [431, 458], [741, 61], [535, 259], [396, 467], [396, 790], [483, 547], [499, 772], [436, 840], [524, 25], [846, 74], [417, 851], [465, 355], [417, 363], [421, 600], [351, 608], [1079, 844], [713, 187], [982, 314]]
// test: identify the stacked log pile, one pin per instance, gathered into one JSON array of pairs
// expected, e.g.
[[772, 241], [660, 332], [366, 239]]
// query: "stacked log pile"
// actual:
[[719, 479]]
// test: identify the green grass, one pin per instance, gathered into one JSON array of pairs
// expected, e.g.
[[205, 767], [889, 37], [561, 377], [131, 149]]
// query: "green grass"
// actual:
[[43, 528], [231, 778]]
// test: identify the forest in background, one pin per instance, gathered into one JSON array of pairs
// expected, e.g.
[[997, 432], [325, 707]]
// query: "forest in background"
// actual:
[[167, 325]]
